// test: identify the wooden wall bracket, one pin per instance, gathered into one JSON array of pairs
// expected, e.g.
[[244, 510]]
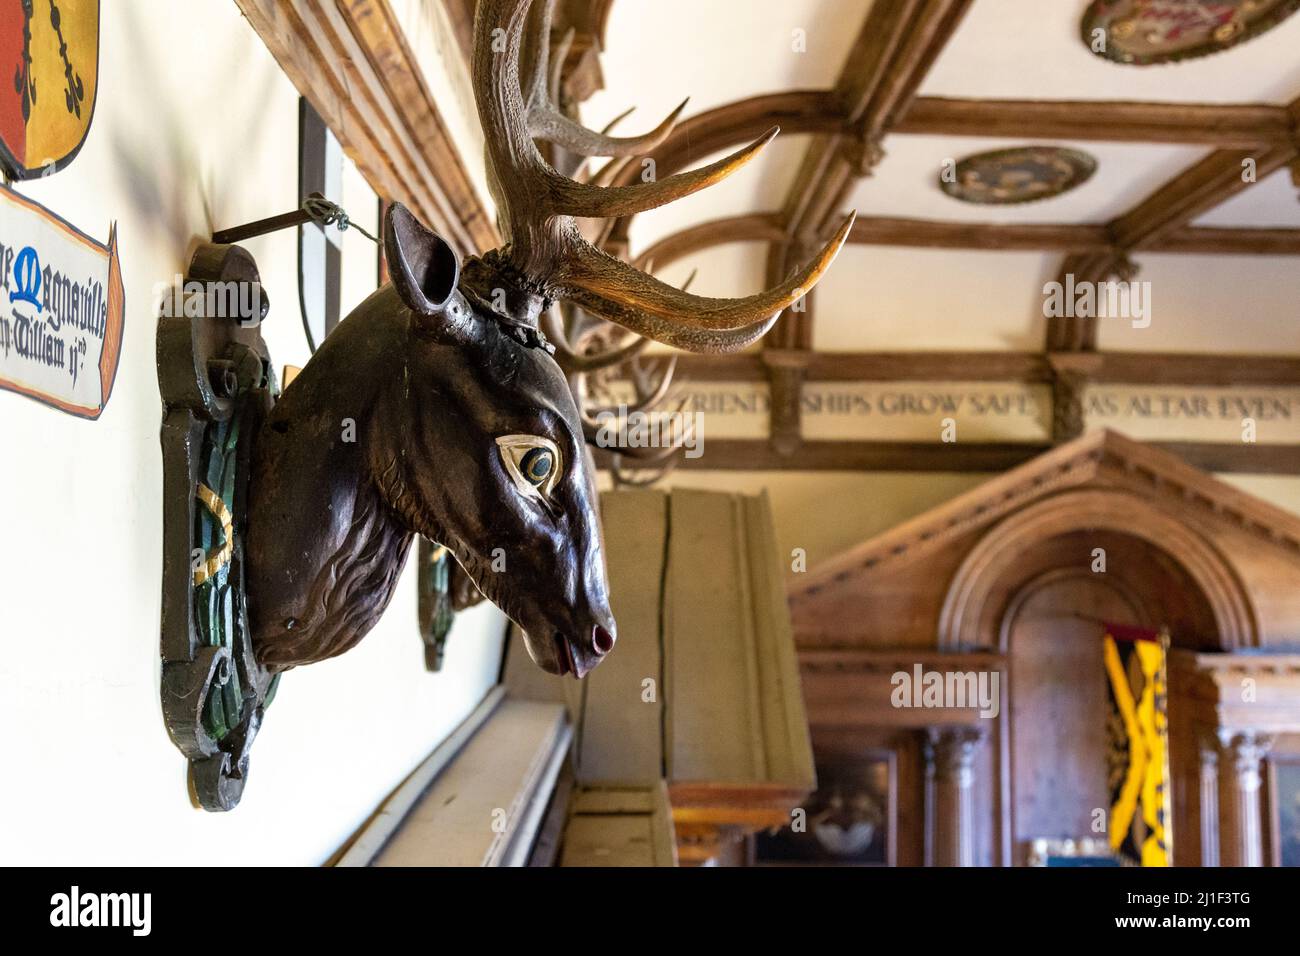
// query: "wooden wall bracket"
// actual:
[[216, 381]]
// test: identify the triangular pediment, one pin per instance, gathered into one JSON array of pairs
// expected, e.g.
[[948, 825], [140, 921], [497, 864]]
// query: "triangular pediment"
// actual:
[[1099, 459]]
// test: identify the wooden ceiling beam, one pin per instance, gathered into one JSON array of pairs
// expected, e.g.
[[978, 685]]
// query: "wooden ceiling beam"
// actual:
[[1016, 237], [880, 77], [1165, 214], [1084, 240], [748, 367], [893, 51], [1078, 333], [755, 227], [1195, 191], [460, 13], [821, 113], [1224, 126], [1204, 240], [351, 60]]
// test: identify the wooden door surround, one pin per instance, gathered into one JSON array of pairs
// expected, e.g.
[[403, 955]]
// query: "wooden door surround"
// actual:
[[1100, 529]]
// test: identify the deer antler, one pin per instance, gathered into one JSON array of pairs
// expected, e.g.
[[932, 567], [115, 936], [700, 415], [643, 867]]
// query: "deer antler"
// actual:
[[545, 120], [546, 255]]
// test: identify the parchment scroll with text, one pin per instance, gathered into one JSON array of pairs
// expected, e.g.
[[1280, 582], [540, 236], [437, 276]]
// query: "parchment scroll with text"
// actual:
[[62, 309]]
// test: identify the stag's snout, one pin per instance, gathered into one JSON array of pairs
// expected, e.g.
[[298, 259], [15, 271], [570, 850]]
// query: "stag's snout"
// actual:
[[578, 656]]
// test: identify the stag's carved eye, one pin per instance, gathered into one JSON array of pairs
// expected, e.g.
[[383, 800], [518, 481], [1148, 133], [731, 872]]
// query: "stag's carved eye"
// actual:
[[533, 463]]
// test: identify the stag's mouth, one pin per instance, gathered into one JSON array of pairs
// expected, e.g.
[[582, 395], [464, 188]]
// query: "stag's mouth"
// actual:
[[565, 660]]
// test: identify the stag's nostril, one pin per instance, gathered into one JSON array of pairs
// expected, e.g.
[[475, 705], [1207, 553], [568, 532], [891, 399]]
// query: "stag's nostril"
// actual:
[[601, 640]]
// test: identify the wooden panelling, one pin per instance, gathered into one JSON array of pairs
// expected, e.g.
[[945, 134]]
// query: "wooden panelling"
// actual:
[[619, 826], [1103, 478], [623, 737], [1058, 707], [705, 632]]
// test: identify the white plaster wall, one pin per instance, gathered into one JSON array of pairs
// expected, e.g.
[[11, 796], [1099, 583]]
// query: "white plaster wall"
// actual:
[[195, 128]]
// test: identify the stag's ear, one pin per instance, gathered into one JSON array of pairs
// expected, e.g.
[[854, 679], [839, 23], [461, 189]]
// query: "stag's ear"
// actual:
[[424, 269]]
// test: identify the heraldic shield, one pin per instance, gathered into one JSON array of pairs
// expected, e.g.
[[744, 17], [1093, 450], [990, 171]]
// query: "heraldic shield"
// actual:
[[49, 66]]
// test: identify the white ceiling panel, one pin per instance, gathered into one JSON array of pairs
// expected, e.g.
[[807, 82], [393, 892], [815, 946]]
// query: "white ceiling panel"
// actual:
[[1273, 202], [760, 186], [887, 298], [735, 269], [717, 52], [1217, 304], [906, 183]]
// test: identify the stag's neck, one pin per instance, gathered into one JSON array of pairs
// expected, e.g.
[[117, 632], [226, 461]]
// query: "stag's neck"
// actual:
[[329, 520]]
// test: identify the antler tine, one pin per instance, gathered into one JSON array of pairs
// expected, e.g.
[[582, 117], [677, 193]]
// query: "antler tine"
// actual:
[[544, 251], [648, 395], [532, 198], [573, 362], [624, 479], [622, 294], [605, 175], [545, 120], [557, 69], [555, 127], [581, 325], [571, 198], [552, 326], [623, 476], [592, 428]]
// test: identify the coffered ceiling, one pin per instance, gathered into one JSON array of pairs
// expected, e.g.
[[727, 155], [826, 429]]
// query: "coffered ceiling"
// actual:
[[899, 296]]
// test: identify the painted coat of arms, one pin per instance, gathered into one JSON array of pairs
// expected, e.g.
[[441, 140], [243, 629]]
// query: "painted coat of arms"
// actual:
[[49, 66], [1143, 32]]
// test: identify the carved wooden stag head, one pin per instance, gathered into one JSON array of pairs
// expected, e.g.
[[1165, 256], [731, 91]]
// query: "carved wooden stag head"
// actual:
[[436, 407]]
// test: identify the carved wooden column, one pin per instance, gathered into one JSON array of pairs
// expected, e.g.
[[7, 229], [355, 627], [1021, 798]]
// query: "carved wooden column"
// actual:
[[1209, 802], [786, 369], [950, 755], [1241, 831]]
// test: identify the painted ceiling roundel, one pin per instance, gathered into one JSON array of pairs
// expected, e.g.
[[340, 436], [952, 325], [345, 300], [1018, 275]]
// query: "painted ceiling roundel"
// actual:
[[1023, 174], [49, 65], [1142, 32]]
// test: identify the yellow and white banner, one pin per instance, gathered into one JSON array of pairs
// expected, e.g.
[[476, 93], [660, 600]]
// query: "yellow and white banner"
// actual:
[[1138, 753]]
